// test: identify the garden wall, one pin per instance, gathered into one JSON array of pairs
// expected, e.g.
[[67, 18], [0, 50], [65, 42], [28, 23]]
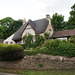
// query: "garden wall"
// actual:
[[40, 62]]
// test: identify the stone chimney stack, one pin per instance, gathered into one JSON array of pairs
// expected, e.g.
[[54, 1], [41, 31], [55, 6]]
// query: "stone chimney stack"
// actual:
[[24, 21], [48, 17]]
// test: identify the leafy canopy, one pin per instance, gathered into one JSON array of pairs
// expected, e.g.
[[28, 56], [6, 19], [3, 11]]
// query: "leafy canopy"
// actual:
[[57, 22]]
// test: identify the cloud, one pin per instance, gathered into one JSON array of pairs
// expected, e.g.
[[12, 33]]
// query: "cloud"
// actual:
[[34, 9]]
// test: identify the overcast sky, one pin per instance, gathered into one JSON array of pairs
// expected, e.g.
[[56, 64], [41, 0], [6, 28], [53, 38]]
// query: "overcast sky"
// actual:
[[34, 9]]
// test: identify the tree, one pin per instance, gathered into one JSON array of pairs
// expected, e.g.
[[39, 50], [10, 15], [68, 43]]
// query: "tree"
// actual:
[[71, 21], [15, 25], [5, 24], [1, 32], [58, 22], [8, 26]]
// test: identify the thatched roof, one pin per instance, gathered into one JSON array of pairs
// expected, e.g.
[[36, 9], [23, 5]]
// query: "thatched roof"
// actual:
[[65, 33], [39, 26]]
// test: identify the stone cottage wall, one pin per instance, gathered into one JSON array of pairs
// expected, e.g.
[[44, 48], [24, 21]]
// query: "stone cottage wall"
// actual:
[[40, 62]]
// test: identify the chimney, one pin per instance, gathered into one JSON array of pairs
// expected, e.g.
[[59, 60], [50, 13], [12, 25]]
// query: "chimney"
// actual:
[[48, 18], [24, 21]]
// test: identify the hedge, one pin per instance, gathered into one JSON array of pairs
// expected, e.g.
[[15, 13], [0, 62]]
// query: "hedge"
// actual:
[[11, 52], [31, 52], [55, 47], [62, 48]]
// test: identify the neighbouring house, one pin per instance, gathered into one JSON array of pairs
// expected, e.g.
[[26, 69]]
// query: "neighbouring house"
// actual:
[[40, 26], [1, 40], [63, 35]]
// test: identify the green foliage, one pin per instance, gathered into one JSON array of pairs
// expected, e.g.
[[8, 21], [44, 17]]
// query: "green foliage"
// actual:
[[41, 72], [44, 50], [39, 40], [11, 52], [40, 64], [4, 48], [8, 26], [54, 47], [66, 49], [24, 45], [15, 25], [28, 39], [71, 21], [72, 39], [63, 48], [57, 22], [30, 52], [46, 36]]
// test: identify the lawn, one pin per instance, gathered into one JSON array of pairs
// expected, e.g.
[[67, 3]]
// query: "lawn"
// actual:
[[49, 72]]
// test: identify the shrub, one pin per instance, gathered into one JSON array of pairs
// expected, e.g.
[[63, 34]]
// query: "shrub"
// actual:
[[62, 48], [40, 64], [46, 36], [39, 40], [66, 49], [11, 52], [72, 39], [44, 50], [54, 47], [24, 45], [30, 52]]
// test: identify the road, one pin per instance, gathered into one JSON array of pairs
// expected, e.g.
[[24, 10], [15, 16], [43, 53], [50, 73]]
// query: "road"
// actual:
[[8, 74]]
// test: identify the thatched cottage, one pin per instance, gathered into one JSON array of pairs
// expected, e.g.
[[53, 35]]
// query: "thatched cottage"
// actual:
[[40, 26]]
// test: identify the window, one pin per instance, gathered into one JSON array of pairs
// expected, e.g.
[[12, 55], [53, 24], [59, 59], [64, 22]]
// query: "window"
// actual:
[[6, 42], [29, 31], [49, 31]]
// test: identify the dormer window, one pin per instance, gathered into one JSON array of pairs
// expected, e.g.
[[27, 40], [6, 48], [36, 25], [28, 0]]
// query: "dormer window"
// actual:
[[29, 31]]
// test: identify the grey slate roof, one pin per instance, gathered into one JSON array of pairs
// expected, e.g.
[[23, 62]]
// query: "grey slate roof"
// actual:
[[39, 26]]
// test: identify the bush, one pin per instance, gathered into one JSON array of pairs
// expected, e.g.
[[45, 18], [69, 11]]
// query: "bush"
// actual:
[[66, 49], [54, 47], [24, 45], [11, 52], [57, 47], [46, 36], [72, 39], [30, 52], [44, 50]]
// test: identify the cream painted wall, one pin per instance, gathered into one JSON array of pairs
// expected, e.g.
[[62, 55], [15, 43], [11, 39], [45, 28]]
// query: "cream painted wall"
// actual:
[[9, 40], [28, 27]]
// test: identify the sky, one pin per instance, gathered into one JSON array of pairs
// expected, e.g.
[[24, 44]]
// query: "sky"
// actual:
[[34, 9]]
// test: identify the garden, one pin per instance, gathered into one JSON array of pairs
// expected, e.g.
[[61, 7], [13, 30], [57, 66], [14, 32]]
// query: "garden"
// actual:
[[43, 45]]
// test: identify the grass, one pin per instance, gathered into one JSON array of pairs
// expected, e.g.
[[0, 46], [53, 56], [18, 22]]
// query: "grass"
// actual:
[[49, 72]]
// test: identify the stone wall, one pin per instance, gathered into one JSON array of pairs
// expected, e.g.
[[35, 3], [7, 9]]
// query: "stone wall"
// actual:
[[40, 62]]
